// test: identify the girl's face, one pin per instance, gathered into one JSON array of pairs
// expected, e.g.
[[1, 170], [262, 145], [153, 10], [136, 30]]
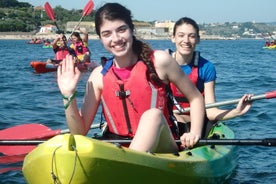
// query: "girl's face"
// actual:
[[74, 39], [185, 39], [62, 43], [116, 37]]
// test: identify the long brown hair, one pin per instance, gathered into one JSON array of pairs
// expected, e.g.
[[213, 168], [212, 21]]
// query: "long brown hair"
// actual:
[[76, 34], [115, 11]]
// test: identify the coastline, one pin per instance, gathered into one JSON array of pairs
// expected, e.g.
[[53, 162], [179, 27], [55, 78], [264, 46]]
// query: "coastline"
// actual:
[[33, 35], [30, 35]]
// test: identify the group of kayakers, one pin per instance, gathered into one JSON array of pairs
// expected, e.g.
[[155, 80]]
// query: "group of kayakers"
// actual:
[[270, 43], [139, 86], [78, 48], [46, 42], [35, 41]]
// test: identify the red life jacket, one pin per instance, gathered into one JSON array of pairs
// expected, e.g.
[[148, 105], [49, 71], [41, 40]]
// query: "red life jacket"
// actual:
[[61, 53], [193, 76], [80, 49], [124, 101]]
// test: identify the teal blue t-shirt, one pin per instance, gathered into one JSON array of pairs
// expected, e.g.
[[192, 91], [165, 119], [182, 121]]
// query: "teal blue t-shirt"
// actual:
[[206, 73]]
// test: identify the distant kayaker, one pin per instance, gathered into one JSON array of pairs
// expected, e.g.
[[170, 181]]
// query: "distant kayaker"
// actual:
[[201, 72], [267, 43], [132, 88], [35, 41], [46, 42], [60, 49], [80, 45]]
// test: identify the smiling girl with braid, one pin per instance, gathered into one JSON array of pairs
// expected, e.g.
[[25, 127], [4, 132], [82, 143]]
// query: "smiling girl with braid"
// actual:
[[132, 87]]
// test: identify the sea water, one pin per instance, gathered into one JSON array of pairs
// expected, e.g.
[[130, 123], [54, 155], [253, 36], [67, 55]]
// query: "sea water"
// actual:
[[242, 66]]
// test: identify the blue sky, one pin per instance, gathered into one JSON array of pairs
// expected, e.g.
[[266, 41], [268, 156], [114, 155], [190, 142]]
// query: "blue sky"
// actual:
[[203, 11]]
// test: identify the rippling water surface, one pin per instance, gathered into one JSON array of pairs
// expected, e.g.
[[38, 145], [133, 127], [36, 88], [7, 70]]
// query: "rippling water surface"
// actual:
[[242, 67]]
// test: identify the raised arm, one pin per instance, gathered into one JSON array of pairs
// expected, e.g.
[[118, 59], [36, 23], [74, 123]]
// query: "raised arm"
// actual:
[[54, 43], [169, 71], [85, 33], [68, 76]]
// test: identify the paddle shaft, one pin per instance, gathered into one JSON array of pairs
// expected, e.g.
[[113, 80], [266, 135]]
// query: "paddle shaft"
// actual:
[[267, 95], [98, 125], [265, 38], [270, 36], [86, 11], [75, 27], [238, 142]]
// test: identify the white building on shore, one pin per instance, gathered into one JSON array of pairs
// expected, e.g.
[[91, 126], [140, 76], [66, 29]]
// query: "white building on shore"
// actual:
[[47, 29]]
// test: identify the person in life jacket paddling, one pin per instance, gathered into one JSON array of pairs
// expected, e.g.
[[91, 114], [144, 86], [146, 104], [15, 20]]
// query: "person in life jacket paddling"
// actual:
[[132, 87], [60, 49], [201, 72], [80, 45]]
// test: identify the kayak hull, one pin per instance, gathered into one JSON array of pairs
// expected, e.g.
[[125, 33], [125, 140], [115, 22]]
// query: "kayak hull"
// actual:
[[270, 47], [79, 159], [47, 46], [44, 67]]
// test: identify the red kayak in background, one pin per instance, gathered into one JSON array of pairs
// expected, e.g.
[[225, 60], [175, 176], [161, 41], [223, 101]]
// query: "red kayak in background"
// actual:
[[44, 67]]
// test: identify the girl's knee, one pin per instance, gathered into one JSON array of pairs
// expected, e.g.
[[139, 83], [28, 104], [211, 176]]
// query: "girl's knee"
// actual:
[[153, 112], [154, 116]]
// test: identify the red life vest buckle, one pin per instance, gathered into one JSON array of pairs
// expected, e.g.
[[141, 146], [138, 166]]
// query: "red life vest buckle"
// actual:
[[122, 94]]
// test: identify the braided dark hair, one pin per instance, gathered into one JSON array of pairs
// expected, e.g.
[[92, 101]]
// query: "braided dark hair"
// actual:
[[145, 53]]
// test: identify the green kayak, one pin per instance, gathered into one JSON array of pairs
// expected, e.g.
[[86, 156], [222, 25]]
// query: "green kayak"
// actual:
[[79, 159]]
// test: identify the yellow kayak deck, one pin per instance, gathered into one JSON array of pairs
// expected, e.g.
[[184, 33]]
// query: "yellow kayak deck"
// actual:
[[79, 159]]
